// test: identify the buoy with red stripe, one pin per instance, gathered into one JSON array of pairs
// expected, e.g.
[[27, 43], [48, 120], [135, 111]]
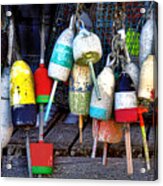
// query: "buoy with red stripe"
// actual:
[[126, 111], [42, 153], [125, 100]]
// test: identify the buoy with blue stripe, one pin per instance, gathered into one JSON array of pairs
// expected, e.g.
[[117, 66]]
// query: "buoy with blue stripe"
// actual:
[[102, 109], [125, 111], [80, 87], [61, 61], [87, 50], [22, 95]]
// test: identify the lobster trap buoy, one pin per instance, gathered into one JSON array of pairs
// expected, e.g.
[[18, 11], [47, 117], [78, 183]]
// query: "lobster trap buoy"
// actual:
[[148, 81], [6, 126], [22, 95], [133, 71], [125, 100], [102, 109], [80, 86], [61, 60], [5, 111], [87, 50], [146, 39], [41, 152]]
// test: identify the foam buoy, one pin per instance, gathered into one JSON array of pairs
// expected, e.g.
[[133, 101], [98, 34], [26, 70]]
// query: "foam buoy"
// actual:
[[41, 152], [102, 109], [6, 126], [146, 39], [126, 111], [61, 61], [80, 86], [106, 132], [87, 50], [148, 81], [22, 95]]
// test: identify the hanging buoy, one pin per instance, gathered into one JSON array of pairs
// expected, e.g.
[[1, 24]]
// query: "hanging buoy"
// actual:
[[133, 71], [102, 109], [87, 50], [125, 100], [41, 152], [80, 86], [22, 95], [6, 127], [146, 39], [106, 132], [148, 81], [126, 111], [61, 61], [5, 111]]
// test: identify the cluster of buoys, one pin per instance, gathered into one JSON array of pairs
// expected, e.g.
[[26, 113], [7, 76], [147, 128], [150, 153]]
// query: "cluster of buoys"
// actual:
[[72, 58]]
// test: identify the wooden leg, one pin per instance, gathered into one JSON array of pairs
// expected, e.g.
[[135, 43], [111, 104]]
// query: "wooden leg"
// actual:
[[81, 129], [105, 149], [96, 128], [28, 155], [128, 150]]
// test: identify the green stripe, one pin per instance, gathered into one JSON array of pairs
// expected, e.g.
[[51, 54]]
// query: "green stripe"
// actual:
[[42, 99], [42, 170], [62, 55]]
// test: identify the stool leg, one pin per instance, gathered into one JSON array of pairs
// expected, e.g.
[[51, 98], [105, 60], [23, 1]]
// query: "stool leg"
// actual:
[[128, 149], [105, 149]]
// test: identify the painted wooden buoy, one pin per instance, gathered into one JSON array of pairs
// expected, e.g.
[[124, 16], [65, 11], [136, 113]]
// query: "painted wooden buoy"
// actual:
[[106, 132], [41, 152], [125, 100], [80, 86], [43, 84], [133, 71], [61, 60], [148, 81], [146, 39], [102, 109], [126, 111], [22, 95], [87, 50], [5, 111], [6, 126]]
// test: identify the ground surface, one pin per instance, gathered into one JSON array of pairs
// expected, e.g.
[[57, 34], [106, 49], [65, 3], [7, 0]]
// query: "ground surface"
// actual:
[[72, 160]]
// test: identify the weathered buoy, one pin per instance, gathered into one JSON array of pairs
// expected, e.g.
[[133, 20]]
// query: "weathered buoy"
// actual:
[[22, 95], [102, 109], [87, 50], [80, 86], [146, 39], [126, 111], [61, 60], [125, 100], [5, 111], [148, 81], [106, 132], [133, 71], [6, 127]]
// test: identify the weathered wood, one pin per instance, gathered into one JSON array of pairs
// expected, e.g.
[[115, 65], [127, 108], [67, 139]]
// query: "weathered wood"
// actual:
[[83, 168]]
